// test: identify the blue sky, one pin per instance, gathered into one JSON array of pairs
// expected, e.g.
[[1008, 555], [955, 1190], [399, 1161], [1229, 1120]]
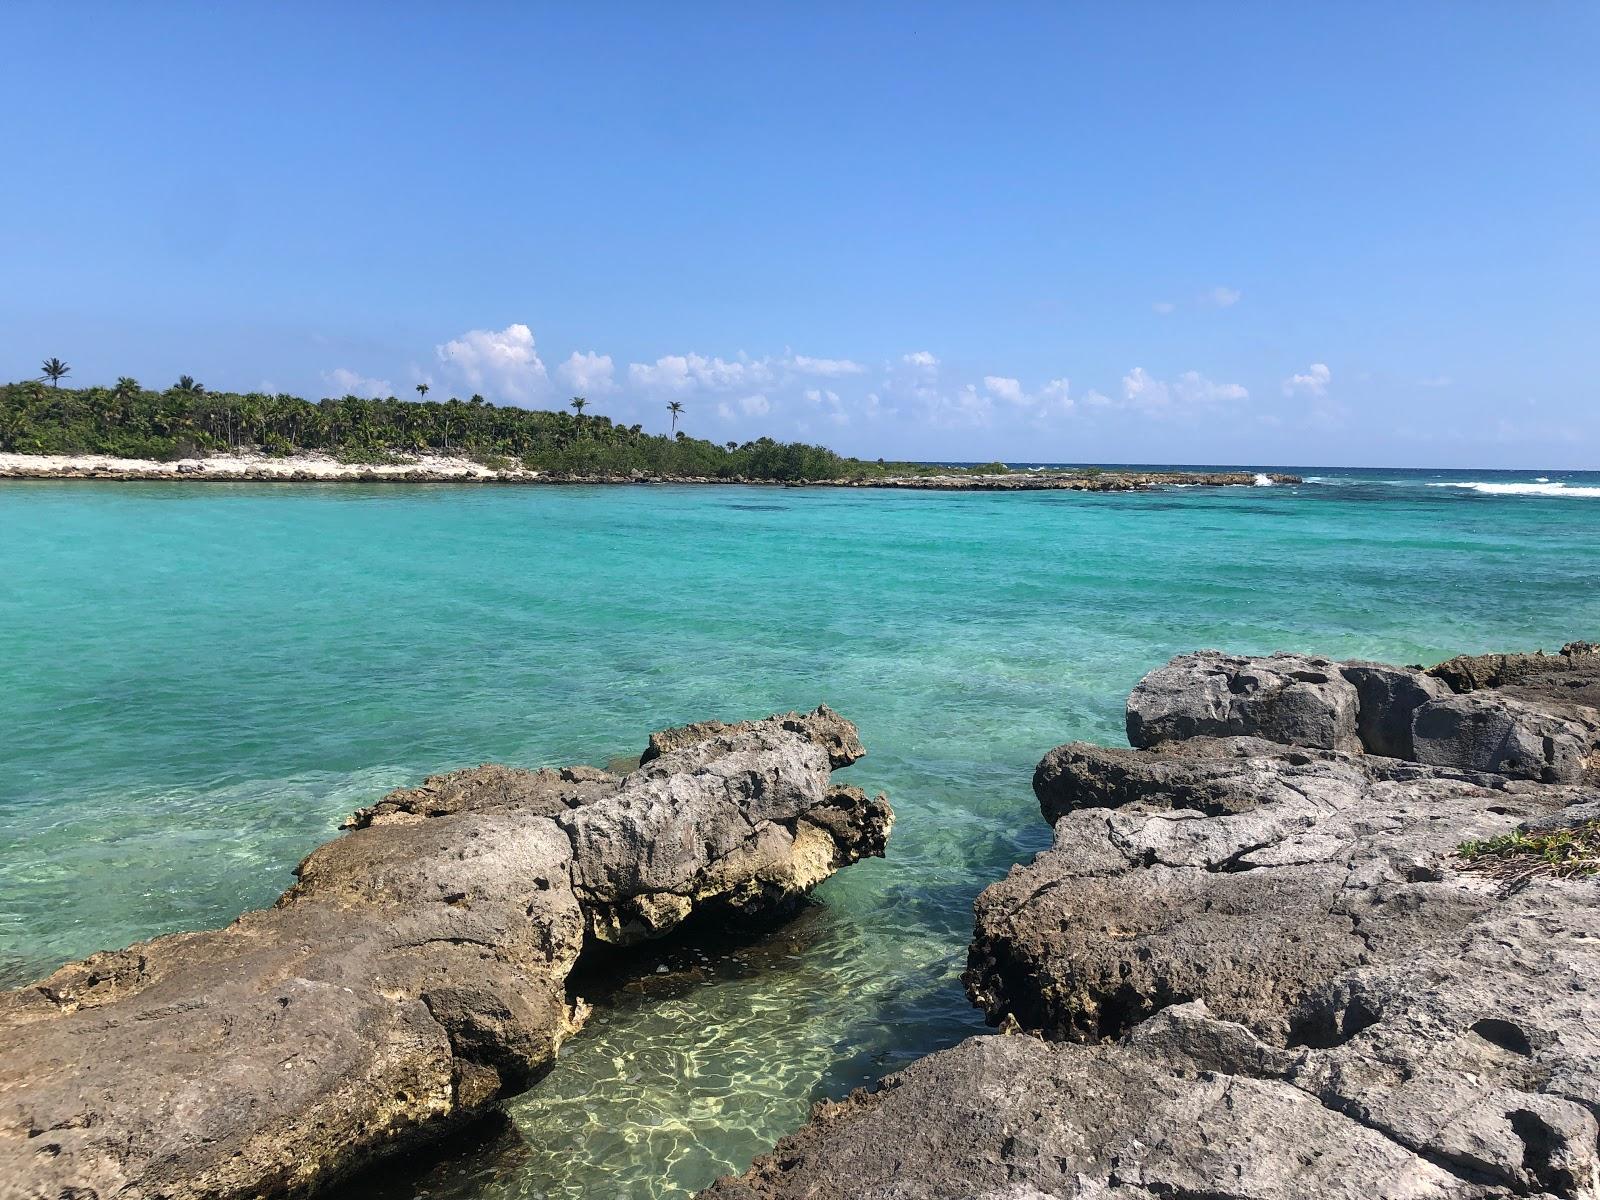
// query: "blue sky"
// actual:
[[1363, 234]]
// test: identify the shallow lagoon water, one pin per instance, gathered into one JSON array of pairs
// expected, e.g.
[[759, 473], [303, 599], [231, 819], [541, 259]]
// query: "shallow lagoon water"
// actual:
[[198, 681]]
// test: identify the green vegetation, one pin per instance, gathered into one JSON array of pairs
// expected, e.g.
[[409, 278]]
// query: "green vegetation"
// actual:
[[186, 420], [1562, 852]]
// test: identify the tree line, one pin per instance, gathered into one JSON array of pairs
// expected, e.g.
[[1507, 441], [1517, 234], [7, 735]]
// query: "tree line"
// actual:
[[185, 420]]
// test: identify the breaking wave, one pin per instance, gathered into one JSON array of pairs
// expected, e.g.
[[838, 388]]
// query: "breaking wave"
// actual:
[[1524, 489]]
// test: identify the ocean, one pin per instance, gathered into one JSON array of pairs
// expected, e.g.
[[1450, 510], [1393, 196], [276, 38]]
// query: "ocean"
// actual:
[[198, 681]]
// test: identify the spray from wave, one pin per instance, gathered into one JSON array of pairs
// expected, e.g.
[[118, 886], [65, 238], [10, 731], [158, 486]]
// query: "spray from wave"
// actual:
[[1543, 488]]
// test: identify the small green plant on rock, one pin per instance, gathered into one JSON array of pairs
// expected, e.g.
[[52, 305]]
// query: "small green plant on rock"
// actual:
[[1562, 853]]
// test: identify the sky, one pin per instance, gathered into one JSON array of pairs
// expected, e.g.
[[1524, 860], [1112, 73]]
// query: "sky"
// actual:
[[1354, 234]]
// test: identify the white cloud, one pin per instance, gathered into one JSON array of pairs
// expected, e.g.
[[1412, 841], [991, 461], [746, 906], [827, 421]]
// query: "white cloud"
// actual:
[[1054, 393], [755, 406], [588, 373], [828, 368], [1052, 397], [676, 374], [1222, 297], [1312, 382], [504, 362], [346, 382], [922, 360], [1009, 390], [1163, 307], [828, 400], [1143, 390]]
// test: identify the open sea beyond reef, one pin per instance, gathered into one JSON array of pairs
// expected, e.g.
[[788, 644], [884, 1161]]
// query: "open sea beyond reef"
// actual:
[[198, 681]]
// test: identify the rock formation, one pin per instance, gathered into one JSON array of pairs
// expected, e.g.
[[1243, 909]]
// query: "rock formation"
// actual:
[[1257, 963], [416, 971]]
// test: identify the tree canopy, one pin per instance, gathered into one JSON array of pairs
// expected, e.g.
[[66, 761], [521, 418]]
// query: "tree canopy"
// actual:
[[186, 420]]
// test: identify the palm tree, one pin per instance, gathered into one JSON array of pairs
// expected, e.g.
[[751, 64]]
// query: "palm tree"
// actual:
[[54, 369], [186, 383], [422, 390], [732, 446], [579, 404], [676, 410]]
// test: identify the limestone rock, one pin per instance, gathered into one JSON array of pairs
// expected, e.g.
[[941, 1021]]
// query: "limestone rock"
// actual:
[[1015, 1118], [1491, 731], [1257, 966], [1387, 699], [1290, 698], [414, 973], [1570, 676], [821, 726]]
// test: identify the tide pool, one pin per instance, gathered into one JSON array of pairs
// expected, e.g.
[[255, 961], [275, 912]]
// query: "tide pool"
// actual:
[[198, 681]]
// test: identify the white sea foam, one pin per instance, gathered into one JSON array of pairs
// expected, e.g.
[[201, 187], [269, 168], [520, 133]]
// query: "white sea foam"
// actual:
[[1263, 481], [1525, 489]]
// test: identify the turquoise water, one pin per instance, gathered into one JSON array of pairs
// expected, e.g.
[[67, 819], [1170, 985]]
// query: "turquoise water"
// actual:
[[198, 681]]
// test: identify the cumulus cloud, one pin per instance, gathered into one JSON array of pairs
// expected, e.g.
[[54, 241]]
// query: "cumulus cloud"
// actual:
[[676, 374], [346, 382], [1143, 390], [1052, 397], [828, 400], [588, 373], [504, 363], [756, 405], [1311, 382], [828, 368], [1222, 297], [1007, 389], [922, 360]]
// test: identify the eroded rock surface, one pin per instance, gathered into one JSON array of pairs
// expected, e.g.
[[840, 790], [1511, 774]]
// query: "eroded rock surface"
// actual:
[[1536, 726], [413, 975], [1257, 969]]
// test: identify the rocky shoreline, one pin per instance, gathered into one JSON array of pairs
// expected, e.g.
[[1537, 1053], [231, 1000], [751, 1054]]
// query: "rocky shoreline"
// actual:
[[240, 468], [415, 974], [1281, 947]]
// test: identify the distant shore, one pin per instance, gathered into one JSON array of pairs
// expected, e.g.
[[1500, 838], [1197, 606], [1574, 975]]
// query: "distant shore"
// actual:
[[434, 468]]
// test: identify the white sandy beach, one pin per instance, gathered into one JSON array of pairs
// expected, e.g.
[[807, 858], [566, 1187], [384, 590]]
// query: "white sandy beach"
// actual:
[[247, 467]]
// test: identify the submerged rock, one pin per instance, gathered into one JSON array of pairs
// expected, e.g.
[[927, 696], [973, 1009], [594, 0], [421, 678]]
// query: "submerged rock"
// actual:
[[1256, 964], [414, 974]]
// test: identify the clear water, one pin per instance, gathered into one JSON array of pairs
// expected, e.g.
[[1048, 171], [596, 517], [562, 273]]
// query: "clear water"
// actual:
[[196, 682]]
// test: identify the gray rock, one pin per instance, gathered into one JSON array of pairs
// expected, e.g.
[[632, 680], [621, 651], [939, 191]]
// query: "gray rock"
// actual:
[[414, 974], [1289, 698], [1387, 699], [1242, 879], [1571, 676], [1257, 971], [1015, 1118], [1491, 731], [821, 725]]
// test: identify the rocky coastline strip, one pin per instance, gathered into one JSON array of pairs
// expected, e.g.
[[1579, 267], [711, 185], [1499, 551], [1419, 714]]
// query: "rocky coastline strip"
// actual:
[[1321, 932], [309, 468], [415, 973]]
